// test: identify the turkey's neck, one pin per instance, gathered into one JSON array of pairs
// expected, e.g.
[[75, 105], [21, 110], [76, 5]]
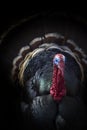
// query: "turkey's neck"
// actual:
[[58, 89]]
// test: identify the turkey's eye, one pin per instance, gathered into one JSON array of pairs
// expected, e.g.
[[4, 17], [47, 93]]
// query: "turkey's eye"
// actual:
[[56, 60]]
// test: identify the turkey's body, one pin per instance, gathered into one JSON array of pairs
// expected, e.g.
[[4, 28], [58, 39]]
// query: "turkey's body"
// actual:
[[32, 72]]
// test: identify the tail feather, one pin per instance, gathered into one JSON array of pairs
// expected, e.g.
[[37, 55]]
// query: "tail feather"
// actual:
[[24, 50], [47, 42], [36, 42]]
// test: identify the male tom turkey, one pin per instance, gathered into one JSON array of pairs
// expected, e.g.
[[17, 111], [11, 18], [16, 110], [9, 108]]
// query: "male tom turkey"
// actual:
[[50, 74]]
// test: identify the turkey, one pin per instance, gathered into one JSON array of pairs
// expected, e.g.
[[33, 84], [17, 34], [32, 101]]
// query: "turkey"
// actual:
[[51, 72]]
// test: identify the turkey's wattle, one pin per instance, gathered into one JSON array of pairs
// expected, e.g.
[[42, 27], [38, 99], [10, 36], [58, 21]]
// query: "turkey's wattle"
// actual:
[[58, 89]]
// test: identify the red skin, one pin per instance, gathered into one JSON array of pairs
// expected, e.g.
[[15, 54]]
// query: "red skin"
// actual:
[[58, 89]]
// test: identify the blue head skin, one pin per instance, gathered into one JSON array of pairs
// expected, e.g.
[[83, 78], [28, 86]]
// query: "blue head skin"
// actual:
[[56, 60]]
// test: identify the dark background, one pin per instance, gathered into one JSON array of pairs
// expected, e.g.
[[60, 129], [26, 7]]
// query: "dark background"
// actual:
[[10, 15]]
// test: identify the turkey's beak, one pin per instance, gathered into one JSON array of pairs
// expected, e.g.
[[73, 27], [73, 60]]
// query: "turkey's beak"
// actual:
[[58, 66]]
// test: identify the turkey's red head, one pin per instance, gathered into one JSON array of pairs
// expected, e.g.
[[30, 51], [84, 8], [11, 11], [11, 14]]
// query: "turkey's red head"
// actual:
[[58, 89], [59, 61]]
